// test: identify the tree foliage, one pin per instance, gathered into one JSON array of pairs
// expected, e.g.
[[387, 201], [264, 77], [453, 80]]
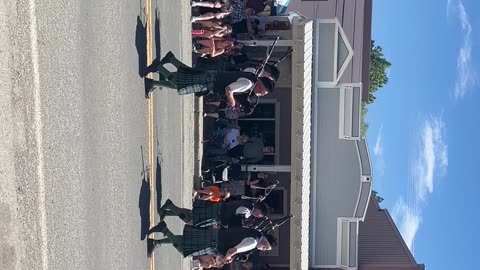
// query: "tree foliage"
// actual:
[[378, 70], [378, 78], [376, 196]]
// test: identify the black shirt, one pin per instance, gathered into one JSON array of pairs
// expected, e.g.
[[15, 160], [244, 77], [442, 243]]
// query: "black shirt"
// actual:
[[225, 78]]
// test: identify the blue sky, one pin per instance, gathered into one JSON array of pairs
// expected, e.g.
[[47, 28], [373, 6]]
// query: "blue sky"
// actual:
[[425, 125]]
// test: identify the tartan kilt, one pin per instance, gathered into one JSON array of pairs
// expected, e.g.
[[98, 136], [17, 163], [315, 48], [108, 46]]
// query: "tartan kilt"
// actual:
[[190, 80], [206, 214], [199, 241]]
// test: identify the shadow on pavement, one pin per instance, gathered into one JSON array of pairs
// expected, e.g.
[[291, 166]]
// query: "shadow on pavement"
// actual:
[[158, 183], [158, 45], [141, 45], [144, 202]]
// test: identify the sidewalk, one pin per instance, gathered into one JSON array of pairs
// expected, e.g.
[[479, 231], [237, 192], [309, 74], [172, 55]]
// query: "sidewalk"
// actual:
[[175, 35]]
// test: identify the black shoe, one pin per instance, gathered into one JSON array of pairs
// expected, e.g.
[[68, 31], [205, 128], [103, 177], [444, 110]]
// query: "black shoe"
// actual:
[[148, 87], [150, 247], [153, 67], [165, 207], [160, 227], [167, 58]]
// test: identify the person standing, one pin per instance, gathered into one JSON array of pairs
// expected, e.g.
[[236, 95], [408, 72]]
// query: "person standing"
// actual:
[[227, 242], [206, 214], [189, 80]]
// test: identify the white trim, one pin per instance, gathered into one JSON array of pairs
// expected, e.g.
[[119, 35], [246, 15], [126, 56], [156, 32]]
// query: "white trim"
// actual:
[[313, 173], [315, 48], [348, 221], [334, 20], [337, 75], [325, 84], [349, 55], [335, 54], [314, 152], [360, 189], [364, 178], [342, 105], [350, 84], [340, 222]]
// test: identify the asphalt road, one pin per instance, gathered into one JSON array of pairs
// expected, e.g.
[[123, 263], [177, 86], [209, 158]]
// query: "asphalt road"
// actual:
[[73, 134]]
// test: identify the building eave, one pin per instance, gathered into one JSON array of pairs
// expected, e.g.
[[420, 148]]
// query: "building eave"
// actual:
[[367, 39]]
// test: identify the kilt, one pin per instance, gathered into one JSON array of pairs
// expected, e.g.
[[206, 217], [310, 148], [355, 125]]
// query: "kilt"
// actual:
[[199, 241], [190, 80], [206, 214]]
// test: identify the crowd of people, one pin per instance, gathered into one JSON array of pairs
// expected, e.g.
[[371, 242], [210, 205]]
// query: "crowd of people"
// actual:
[[221, 229]]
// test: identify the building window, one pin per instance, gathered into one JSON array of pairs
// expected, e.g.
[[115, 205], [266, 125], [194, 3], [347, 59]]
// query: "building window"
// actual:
[[333, 52]]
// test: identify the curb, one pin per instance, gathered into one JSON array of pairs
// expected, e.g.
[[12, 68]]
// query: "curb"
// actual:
[[192, 123]]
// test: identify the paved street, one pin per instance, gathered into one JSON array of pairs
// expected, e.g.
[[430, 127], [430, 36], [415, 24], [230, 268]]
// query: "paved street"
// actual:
[[74, 125]]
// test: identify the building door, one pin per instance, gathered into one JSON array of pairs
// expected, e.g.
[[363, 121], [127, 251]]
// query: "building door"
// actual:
[[263, 123]]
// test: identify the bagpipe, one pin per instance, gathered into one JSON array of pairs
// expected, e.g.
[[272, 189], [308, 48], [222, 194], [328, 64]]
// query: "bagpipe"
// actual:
[[261, 67], [265, 226], [267, 191]]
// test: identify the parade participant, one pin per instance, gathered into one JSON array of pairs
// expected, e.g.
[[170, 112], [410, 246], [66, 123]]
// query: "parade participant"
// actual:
[[216, 4], [213, 46], [212, 194], [208, 261], [223, 111], [223, 84], [205, 214], [252, 151], [212, 33], [224, 11], [224, 140], [259, 5], [227, 242], [211, 24]]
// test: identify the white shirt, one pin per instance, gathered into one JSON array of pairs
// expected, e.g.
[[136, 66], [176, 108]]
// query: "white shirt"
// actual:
[[231, 138], [241, 85], [250, 69], [247, 244]]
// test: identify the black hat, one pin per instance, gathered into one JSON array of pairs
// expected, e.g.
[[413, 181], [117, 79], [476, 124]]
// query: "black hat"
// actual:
[[269, 85], [273, 70]]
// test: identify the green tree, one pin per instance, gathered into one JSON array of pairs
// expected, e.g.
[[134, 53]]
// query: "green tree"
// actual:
[[376, 196], [378, 78]]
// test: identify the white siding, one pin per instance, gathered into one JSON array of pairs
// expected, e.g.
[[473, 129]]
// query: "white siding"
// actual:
[[301, 135]]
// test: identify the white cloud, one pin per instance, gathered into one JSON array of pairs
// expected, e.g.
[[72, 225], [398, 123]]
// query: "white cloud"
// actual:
[[407, 220], [466, 75], [378, 153], [378, 149], [432, 158], [430, 162]]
